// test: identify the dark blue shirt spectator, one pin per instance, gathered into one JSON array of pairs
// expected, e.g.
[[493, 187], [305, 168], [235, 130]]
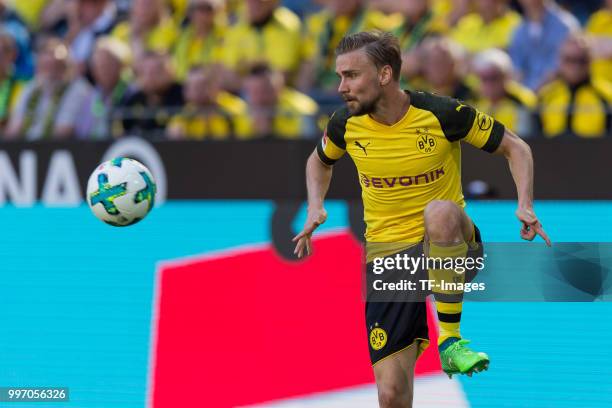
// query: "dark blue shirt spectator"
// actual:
[[535, 44]]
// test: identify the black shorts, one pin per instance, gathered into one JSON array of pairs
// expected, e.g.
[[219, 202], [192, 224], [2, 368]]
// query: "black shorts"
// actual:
[[395, 325]]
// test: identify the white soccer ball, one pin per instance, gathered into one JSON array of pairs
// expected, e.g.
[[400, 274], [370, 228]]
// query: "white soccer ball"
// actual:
[[121, 192]]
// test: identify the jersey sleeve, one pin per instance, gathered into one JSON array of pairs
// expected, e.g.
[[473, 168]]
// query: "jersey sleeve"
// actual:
[[476, 128], [485, 133], [333, 145], [460, 121]]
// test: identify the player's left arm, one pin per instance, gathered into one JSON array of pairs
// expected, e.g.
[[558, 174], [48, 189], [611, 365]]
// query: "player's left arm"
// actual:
[[464, 122], [519, 156]]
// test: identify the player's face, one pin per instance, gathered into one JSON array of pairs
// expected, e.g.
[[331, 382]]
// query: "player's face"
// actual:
[[359, 82]]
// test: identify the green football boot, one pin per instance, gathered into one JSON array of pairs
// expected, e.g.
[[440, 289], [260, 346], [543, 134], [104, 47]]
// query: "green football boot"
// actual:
[[459, 359]]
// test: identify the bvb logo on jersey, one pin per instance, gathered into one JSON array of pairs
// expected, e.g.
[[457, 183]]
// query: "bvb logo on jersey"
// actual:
[[378, 338], [425, 142]]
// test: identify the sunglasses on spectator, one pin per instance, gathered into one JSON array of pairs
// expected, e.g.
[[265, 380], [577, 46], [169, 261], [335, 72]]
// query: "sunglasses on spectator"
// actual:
[[490, 77], [203, 7], [575, 60]]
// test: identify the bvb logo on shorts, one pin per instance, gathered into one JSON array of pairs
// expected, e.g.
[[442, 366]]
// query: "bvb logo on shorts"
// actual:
[[425, 142], [378, 338]]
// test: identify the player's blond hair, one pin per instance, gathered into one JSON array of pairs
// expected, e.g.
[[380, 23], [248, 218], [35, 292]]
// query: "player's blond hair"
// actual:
[[381, 47]]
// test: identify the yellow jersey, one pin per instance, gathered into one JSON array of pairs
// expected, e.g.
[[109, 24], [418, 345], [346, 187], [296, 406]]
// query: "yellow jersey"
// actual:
[[475, 35], [228, 119], [192, 50], [582, 110], [277, 42], [30, 11], [294, 115], [514, 110], [324, 31], [600, 25], [160, 39], [405, 166]]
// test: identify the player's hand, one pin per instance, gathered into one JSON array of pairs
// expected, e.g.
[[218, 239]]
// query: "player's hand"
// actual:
[[531, 226], [316, 217]]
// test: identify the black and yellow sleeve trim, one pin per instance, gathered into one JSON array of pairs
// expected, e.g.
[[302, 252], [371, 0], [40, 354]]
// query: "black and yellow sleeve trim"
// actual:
[[495, 139], [333, 146], [323, 157]]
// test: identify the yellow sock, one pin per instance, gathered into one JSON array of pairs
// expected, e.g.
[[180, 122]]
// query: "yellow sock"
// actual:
[[449, 302]]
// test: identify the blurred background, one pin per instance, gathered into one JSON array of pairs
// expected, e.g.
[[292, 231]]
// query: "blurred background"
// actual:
[[202, 303]]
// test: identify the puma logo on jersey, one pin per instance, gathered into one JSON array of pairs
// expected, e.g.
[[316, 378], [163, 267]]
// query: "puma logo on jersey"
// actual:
[[458, 108], [362, 147]]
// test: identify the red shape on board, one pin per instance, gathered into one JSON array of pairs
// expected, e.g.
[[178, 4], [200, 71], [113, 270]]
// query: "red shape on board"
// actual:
[[247, 326]]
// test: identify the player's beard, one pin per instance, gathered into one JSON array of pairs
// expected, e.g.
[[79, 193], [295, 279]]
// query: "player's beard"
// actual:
[[362, 108]]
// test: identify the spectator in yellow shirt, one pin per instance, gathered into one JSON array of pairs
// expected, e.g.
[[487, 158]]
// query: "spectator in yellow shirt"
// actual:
[[178, 9], [599, 29], [324, 30], [30, 11], [417, 22], [277, 110], [575, 103], [500, 96], [269, 34], [453, 10], [201, 42], [150, 28], [210, 113], [491, 26]]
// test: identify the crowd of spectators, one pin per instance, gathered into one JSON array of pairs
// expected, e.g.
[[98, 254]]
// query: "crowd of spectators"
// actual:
[[244, 69]]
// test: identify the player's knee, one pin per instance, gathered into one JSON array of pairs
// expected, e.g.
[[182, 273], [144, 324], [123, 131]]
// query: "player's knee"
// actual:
[[393, 396], [442, 220]]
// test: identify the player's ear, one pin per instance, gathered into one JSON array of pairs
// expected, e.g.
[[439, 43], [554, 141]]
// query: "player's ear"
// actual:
[[385, 75]]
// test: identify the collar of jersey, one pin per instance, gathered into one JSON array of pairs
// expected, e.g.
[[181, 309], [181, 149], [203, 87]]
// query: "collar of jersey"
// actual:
[[397, 124]]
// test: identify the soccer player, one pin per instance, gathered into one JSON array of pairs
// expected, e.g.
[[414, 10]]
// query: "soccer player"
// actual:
[[405, 146]]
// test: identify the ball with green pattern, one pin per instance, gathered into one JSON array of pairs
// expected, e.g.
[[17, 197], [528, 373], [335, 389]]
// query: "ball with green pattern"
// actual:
[[121, 191]]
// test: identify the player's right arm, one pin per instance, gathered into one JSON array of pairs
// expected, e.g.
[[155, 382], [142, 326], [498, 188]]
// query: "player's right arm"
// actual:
[[318, 177]]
